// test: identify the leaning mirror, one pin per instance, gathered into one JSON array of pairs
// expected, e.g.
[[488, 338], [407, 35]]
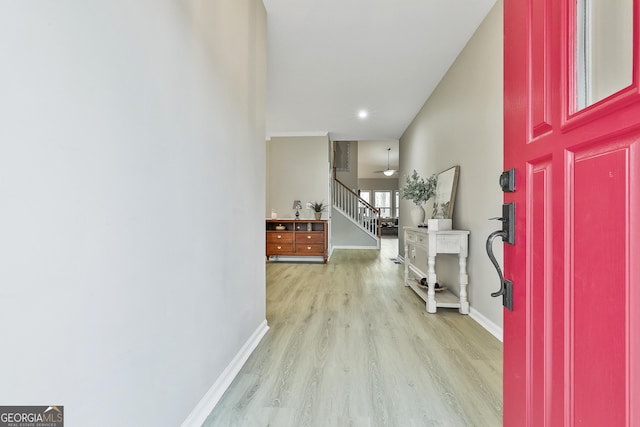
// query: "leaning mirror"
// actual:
[[445, 193]]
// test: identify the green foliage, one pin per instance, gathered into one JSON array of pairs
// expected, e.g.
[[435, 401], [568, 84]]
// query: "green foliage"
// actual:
[[418, 189], [317, 206]]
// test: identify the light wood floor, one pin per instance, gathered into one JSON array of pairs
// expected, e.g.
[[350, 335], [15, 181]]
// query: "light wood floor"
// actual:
[[349, 345]]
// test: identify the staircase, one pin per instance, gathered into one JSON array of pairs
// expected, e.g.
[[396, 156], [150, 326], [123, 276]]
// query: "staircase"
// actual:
[[357, 210]]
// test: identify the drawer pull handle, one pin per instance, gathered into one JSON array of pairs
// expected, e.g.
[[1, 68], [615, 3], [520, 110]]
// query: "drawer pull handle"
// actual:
[[309, 247], [308, 237], [279, 247], [279, 236]]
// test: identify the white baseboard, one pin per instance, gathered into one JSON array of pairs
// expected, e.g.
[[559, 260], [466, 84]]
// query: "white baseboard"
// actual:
[[491, 327], [356, 247], [202, 410], [303, 259]]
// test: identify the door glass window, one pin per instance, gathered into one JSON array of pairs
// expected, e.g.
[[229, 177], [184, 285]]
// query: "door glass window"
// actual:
[[604, 49]]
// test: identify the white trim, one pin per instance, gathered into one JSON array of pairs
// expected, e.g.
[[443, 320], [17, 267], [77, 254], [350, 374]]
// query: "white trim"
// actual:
[[491, 327], [306, 259], [354, 247], [202, 410]]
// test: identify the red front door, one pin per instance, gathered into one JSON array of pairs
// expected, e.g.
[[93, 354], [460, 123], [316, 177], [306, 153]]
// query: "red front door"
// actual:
[[572, 132]]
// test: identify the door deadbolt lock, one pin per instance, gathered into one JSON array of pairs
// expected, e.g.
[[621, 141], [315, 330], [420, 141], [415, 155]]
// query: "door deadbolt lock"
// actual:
[[508, 180]]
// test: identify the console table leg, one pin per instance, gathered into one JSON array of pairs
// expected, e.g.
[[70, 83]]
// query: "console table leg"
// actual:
[[406, 262], [431, 280], [464, 281]]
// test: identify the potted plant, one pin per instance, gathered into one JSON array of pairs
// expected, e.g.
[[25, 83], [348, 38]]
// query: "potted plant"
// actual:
[[318, 208], [419, 190]]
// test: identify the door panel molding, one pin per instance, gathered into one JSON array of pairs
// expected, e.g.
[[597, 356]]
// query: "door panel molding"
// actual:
[[540, 296], [597, 353], [539, 67]]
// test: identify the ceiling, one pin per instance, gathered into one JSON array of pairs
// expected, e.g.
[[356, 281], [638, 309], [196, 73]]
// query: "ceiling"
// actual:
[[328, 59]]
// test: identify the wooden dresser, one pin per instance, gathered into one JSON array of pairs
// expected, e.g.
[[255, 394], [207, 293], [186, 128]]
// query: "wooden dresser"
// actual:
[[299, 237]]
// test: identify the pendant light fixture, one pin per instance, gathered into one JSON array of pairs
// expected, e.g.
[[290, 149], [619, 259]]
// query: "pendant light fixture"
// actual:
[[388, 171]]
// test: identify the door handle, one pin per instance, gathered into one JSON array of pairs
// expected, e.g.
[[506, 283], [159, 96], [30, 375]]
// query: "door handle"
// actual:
[[492, 257], [507, 233]]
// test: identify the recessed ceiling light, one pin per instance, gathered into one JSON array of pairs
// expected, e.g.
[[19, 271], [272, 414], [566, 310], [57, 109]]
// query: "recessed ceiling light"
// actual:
[[363, 114]]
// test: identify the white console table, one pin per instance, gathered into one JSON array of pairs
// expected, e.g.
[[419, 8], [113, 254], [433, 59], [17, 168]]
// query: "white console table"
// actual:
[[435, 243]]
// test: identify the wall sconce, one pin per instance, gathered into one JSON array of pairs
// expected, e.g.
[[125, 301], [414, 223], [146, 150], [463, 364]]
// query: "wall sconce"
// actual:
[[297, 205]]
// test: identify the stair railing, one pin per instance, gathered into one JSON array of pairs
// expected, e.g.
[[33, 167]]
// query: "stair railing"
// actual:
[[356, 208]]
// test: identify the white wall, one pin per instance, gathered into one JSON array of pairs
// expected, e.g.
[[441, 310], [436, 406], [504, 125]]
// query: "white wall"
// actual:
[[131, 155], [298, 170], [461, 124]]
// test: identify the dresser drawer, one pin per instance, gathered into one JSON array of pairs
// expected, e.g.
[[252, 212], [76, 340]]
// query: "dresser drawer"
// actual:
[[279, 248], [309, 237], [310, 248], [279, 236]]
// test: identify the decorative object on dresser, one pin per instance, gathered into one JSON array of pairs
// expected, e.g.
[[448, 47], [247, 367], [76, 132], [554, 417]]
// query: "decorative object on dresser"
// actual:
[[436, 243], [296, 240], [419, 190], [297, 205], [318, 208]]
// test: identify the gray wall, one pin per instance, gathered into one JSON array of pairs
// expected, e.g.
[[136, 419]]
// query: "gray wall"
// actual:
[[461, 124], [131, 151], [378, 184], [298, 170]]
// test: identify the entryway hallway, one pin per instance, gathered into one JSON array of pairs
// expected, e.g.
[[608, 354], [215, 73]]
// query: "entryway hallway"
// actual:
[[349, 345]]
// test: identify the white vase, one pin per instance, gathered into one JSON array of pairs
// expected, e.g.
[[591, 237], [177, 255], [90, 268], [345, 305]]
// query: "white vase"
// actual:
[[417, 215]]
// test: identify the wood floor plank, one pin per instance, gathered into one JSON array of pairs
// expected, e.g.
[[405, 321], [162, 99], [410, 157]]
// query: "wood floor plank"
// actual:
[[350, 345]]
